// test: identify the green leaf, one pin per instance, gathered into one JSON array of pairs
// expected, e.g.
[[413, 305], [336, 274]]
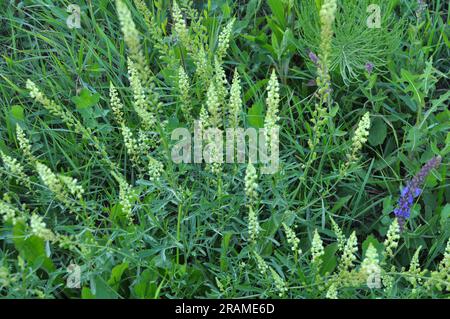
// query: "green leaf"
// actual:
[[102, 290], [275, 45], [86, 99], [224, 250], [334, 110], [254, 89], [445, 215], [414, 86], [329, 260], [116, 275], [340, 203], [387, 205], [86, 293], [255, 115], [17, 112], [251, 10], [145, 286], [319, 4], [31, 248], [378, 132], [226, 10], [278, 11], [414, 138]]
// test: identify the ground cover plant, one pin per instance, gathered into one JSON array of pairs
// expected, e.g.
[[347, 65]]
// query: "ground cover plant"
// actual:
[[93, 204]]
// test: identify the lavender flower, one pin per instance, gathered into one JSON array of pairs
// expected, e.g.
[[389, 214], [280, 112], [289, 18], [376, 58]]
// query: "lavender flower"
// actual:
[[412, 190], [313, 57], [369, 67]]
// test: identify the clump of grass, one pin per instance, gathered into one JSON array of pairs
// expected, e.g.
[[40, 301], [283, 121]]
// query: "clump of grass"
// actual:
[[87, 178]]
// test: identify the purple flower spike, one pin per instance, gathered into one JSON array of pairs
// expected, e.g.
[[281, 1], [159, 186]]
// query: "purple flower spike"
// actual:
[[313, 57], [369, 67], [413, 190]]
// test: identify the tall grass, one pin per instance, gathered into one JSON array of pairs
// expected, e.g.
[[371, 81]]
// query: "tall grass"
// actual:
[[87, 177]]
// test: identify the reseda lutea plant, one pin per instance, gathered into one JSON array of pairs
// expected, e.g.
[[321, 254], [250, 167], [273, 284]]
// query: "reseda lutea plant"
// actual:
[[208, 167]]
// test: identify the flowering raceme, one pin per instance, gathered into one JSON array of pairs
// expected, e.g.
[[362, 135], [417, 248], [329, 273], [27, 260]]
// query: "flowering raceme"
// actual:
[[224, 40], [251, 184], [221, 85], [317, 249], [261, 264], [184, 90], [15, 169], [9, 213], [413, 190], [279, 283], [213, 105], [179, 25], [272, 101], [140, 104], [320, 113], [160, 219], [132, 39], [360, 138], [349, 254], [370, 266], [235, 101], [327, 16], [292, 239], [24, 144], [60, 185], [392, 237], [358, 141], [116, 104], [39, 228]]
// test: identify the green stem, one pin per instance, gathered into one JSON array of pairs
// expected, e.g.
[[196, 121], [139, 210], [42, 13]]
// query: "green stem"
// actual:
[[180, 213]]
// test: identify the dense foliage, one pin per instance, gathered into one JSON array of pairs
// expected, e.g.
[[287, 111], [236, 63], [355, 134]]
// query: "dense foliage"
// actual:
[[357, 209]]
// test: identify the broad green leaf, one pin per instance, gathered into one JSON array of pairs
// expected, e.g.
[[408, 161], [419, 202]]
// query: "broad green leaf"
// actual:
[[413, 85], [103, 290], [255, 115], [116, 275], [86, 293], [334, 110], [31, 248], [329, 260], [278, 11], [17, 112], [319, 4], [226, 10], [86, 99], [378, 132], [145, 286]]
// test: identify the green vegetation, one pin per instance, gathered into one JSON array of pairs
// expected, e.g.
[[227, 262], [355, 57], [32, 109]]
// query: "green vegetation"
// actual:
[[87, 179]]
